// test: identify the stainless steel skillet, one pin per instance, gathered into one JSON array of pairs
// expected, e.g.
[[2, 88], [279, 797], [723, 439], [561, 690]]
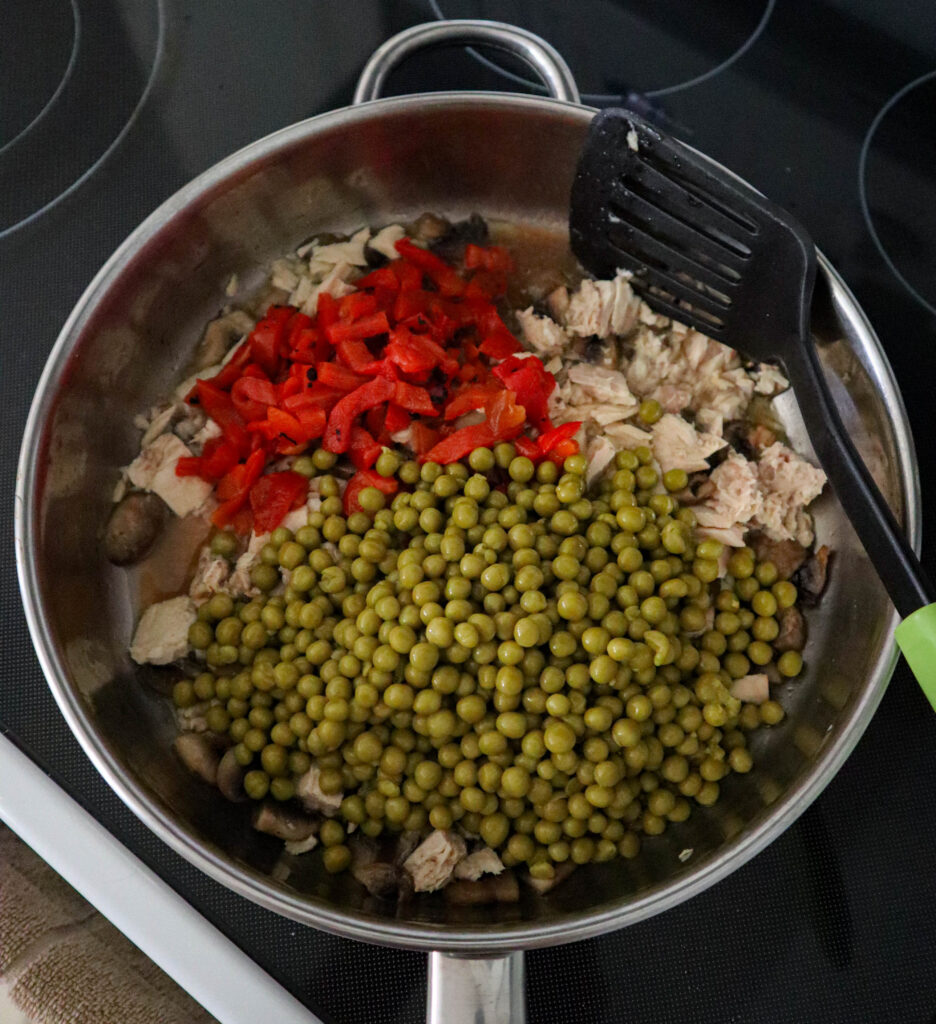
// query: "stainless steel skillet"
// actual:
[[125, 346]]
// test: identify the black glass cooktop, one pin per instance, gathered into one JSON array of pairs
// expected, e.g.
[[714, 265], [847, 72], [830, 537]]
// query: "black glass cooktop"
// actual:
[[828, 106]]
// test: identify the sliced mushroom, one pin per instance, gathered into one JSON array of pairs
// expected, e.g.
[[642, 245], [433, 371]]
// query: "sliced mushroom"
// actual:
[[489, 889], [231, 778], [380, 879], [220, 335], [430, 227], [792, 635], [451, 245], [407, 842], [199, 755], [786, 555], [277, 820], [813, 575], [133, 526]]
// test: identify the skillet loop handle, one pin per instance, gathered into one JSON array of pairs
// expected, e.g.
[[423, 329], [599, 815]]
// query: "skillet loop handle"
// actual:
[[476, 990], [542, 58]]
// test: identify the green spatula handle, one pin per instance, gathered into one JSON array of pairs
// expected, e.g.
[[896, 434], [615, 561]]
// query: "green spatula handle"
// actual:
[[916, 638]]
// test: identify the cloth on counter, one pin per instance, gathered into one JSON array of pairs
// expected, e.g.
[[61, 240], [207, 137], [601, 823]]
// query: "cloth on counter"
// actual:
[[63, 963]]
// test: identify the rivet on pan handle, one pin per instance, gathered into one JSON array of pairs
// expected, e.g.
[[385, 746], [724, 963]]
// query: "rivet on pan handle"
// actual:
[[543, 58]]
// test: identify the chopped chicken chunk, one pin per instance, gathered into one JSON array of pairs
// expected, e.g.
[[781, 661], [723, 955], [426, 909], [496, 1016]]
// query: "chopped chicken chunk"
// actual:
[[433, 862], [599, 453], [626, 435], [734, 502], [542, 334], [337, 253], [678, 445], [557, 302], [154, 470], [211, 574], [753, 689], [311, 796], [239, 583], [482, 862], [385, 241], [602, 307], [602, 385], [162, 635], [768, 380], [788, 483]]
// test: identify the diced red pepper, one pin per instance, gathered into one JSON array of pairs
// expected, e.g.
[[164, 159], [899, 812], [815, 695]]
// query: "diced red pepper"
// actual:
[[218, 457], [268, 338], [366, 327], [366, 478], [382, 277], [467, 399], [339, 377], [338, 434], [396, 419], [218, 405], [234, 488], [251, 396], [310, 346], [505, 416], [460, 444], [326, 312], [188, 465], [560, 452], [354, 306], [500, 345], [493, 258], [355, 354], [363, 449], [447, 279], [486, 284], [273, 495], [532, 384], [527, 446], [413, 399], [422, 437], [232, 369], [551, 438]]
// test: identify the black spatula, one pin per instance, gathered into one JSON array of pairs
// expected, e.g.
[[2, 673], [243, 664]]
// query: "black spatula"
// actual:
[[709, 251]]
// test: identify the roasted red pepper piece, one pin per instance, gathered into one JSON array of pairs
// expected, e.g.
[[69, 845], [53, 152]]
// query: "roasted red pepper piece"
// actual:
[[355, 354], [326, 312], [532, 384], [460, 444], [500, 345], [218, 405], [396, 419], [251, 396], [234, 488], [366, 478], [505, 416], [493, 258], [528, 447], [382, 277], [338, 434], [268, 338], [232, 369], [548, 440], [413, 399], [356, 305], [560, 452], [366, 327], [339, 377], [422, 436], [363, 449], [273, 495], [446, 279], [470, 398]]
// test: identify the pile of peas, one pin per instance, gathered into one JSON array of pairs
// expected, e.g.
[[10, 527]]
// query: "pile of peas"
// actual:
[[497, 651]]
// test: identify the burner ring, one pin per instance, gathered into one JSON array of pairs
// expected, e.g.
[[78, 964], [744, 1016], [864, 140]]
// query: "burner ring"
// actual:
[[599, 99], [863, 191]]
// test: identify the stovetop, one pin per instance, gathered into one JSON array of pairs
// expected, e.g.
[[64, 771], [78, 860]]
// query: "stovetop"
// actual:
[[830, 109]]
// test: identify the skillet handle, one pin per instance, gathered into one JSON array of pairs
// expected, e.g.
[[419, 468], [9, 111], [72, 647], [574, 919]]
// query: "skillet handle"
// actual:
[[542, 58], [476, 990]]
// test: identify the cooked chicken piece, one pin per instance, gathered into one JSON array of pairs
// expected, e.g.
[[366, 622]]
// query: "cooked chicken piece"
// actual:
[[162, 635], [678, 445], [602, 307], [753, 689], [599, 453], [211, 574], [598, 384], [154, 470], [792, 635], [385, 240], [161, 422], [432, 863], [208, 431], [481, 862], [351, 252], [626, 435], [786, 555], [312, 798], [735, 500], [335, 283], [789, 483], [239, 584], [296, 847], [542, 334], [768, 380]]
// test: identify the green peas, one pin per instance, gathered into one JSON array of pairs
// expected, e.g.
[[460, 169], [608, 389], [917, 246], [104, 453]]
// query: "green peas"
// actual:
[[790, 664], [649, 411], [764, 603], [572, 606], [785, 594]]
